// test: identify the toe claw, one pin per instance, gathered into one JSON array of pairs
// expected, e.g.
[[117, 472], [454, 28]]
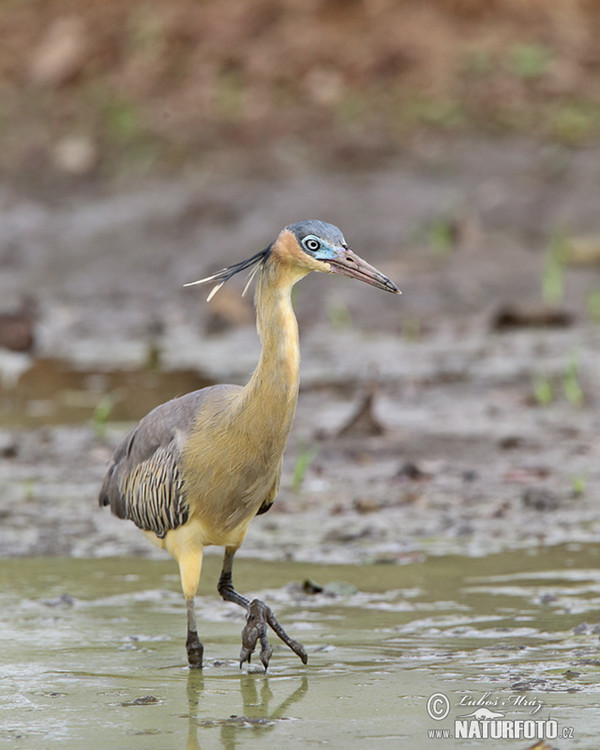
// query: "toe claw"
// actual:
[[300, 651], [265, 655], [245, 655]]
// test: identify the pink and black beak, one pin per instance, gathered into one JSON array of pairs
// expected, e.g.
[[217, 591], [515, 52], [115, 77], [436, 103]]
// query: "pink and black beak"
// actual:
[[347, 263]]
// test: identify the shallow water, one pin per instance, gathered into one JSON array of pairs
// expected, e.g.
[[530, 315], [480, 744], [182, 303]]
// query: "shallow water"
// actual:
[[53, 391], [93, 653]]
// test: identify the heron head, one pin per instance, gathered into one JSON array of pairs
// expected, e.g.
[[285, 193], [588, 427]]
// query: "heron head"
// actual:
[[323, 248], [305, 246]]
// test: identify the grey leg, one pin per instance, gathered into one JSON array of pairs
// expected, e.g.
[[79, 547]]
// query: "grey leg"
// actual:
[[259, 615], [195, 649]]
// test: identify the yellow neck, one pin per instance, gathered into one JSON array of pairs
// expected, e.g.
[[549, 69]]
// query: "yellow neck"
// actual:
[[271, 394], [233, 458]]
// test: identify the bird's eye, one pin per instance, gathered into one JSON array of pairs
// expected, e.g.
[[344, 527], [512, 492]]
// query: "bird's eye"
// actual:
[[311, 244]]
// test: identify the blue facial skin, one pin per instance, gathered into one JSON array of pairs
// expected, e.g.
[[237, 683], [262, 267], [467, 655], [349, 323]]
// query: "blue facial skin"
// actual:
[[319, 239]]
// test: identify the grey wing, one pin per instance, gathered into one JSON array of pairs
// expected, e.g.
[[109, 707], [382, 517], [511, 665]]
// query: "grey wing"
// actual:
[[152, 493], [144, 482]]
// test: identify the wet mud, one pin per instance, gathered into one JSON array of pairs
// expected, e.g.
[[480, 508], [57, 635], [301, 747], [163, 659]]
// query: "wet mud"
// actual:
[[107, 636]]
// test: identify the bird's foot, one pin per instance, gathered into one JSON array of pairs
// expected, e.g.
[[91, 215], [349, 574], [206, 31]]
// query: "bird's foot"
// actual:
[[258, 617], [195, 650]]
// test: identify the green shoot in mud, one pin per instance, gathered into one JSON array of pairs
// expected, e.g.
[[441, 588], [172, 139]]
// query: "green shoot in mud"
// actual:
[[529, 61], [306, 455], [29, 489], [546, 387], [154, 357], [101, 414], [229, 95], [441, 236], [553, 279], [593, 306], [122, 121], [571, 385], [543, 390], [445, 113], [578, 484], [575, 122]]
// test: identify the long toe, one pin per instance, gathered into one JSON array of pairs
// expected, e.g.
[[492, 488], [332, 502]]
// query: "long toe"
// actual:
[[255, 629], [266, 652], [296, 646]]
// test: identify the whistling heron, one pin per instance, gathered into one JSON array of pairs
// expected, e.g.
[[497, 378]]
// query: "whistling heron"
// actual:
[[196, 470]]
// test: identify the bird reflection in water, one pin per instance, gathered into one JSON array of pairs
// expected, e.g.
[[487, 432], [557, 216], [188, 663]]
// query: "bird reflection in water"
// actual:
[[258, 718]]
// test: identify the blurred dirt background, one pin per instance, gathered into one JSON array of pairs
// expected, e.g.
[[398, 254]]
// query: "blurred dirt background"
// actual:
[[455, 142], [111, 88]]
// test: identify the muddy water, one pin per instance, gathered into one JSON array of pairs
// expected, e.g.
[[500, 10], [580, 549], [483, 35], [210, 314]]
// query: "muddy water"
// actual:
[[52, 391], [93, 653]]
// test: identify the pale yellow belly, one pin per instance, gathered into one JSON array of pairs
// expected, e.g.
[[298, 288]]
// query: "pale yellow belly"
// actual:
[[186, 544], [195, 535]]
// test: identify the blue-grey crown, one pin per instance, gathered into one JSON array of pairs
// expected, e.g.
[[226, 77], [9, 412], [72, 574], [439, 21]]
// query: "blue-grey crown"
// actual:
[[321, 229]]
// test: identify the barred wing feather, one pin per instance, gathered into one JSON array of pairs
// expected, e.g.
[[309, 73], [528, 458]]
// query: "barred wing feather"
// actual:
[[144, 482]]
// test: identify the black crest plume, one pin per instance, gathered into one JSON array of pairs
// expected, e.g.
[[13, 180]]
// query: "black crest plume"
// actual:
[[254, 263]]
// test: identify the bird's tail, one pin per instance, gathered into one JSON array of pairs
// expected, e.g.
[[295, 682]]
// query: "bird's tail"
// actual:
[[254, 263]]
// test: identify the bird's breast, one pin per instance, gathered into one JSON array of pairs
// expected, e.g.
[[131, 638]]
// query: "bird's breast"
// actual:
[[227, 479]]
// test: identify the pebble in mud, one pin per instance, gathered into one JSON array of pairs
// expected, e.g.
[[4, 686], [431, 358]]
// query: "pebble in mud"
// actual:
[[411, 470], [64, 600], [144, 700], [540, 498], [585, 628]]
